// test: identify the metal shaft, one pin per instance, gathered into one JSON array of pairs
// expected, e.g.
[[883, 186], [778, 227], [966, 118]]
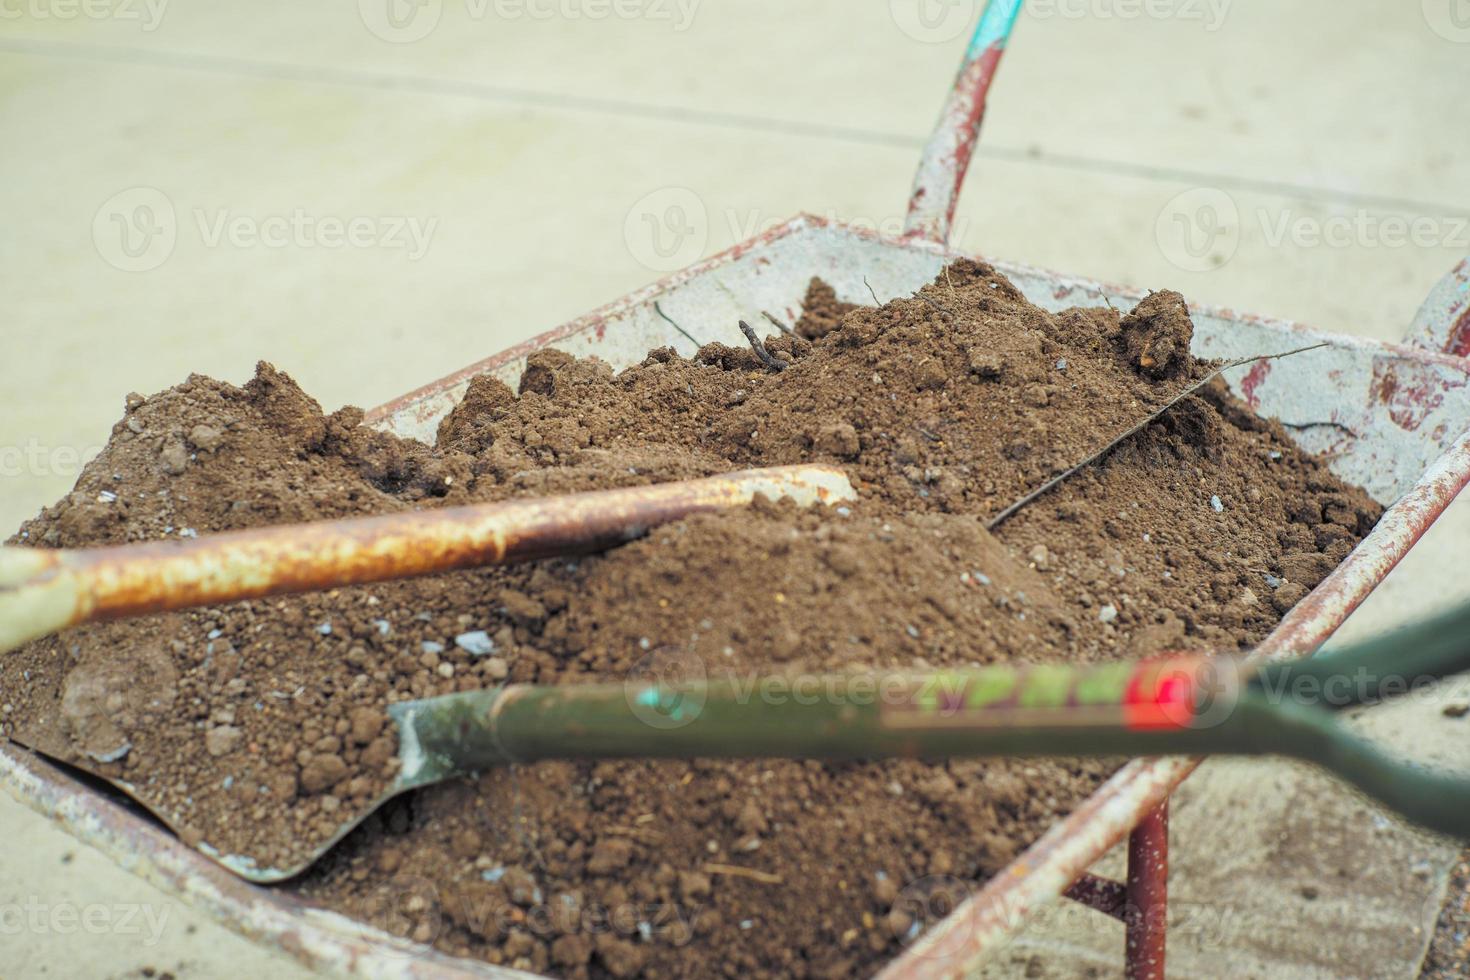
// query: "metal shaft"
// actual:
[[1184, 705], [44, 590], [1118, 709]]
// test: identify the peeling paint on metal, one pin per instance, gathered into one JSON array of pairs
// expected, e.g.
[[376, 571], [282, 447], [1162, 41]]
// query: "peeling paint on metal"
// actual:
[[1407, 390], [1258, 373]]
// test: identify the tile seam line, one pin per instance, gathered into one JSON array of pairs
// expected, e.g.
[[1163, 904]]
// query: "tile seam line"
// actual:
[[484, 92]]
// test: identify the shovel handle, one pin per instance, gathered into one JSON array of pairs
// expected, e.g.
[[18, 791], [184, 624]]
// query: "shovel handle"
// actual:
[[43, 590], [1182, 705], [1117, 709]]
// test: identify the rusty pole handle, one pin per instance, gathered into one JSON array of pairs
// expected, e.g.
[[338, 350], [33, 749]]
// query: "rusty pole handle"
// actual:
[[946, 156], [44, 590]]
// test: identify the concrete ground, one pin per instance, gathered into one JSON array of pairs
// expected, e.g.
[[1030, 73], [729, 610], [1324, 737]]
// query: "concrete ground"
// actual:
[[373, 195]]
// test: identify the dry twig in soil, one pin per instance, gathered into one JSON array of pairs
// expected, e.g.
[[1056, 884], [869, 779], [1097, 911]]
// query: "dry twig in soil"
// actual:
[[760, 348], [670, 320], [779, 325], [1142, 424]]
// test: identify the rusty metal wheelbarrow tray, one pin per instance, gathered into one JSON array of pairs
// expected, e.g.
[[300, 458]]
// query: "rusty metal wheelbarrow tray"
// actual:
[[1406, 406]]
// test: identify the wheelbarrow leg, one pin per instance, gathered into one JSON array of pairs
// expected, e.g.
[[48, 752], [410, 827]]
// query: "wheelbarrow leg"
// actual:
[[1146, 913]]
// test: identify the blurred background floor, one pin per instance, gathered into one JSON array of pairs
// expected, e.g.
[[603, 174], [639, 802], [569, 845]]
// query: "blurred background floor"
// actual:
[[373, 195]]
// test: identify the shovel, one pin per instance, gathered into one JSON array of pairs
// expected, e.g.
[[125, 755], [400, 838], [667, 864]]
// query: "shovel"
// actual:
[[1175, 705], [672, 708], [45, 590]]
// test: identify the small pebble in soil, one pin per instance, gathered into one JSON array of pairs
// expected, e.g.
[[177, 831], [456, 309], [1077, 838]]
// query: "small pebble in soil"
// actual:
[[1107, 613], [1272, 581], [325, 629], [222, 740], [476, 643], [429, 646], [1216, 504], [115, 755]]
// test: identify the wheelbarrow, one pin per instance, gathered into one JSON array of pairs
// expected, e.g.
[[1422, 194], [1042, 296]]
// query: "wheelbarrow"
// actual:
[[1402, 432]]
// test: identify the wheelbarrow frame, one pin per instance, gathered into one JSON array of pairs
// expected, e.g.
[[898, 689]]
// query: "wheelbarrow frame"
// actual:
[[1406, 406]]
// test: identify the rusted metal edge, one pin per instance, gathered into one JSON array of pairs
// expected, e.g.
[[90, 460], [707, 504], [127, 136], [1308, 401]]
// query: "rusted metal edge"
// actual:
[[598, 319], [330, 941], [1443, 322], [320, 939], [946, 156], [961, 942]]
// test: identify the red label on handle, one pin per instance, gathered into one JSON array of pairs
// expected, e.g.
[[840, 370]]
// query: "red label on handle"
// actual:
[[1162, 694]]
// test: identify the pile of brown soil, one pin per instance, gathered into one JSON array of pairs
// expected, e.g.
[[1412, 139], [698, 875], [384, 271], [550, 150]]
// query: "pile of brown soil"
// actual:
[[262, 723]]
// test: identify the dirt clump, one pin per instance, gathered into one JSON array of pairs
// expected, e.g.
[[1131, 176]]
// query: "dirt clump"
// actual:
[[821, 311], [1155, 336], [269, 729]]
